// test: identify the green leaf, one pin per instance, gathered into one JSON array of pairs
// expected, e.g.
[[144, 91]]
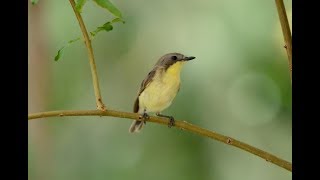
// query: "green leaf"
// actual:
[[59, 54], [106, 26], [34, 2], [109, 6], [73, 40], [93, 33], [117, 20], [80, 4], [60, 51]]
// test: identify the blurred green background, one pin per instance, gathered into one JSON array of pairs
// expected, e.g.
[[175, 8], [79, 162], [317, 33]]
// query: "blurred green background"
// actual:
[[238, 85]]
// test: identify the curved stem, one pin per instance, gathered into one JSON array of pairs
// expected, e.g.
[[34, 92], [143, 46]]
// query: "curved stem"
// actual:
[[94, 73], [286, 31], [178, 124]]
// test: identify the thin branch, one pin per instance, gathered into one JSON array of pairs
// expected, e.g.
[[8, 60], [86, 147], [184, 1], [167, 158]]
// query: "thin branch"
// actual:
[[100, 105], [286, 31], [179, 124]]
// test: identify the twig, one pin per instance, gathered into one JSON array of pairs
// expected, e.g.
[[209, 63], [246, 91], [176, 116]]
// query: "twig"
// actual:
[[286, 31], [100, 105], [179, 124]]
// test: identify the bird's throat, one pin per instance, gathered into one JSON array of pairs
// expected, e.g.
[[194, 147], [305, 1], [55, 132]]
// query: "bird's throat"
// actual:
[[174, 70]]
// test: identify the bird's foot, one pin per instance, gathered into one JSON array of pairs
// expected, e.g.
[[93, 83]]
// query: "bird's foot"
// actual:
[[171, 122], [144, 116], [171, 119]]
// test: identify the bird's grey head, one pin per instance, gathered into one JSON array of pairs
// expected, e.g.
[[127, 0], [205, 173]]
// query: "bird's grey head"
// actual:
[[171, 58]]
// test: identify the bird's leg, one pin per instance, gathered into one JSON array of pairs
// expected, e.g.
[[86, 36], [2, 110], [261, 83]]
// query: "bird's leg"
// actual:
[[171, 122], [144, 116]]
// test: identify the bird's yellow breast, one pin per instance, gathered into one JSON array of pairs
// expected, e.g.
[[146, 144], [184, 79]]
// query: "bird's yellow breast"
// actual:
[[172, 75], [159, 94]]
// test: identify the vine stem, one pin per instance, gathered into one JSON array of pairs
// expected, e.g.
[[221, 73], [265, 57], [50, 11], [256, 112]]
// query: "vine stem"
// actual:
[[178, 124], [100, 105], [286, 31]]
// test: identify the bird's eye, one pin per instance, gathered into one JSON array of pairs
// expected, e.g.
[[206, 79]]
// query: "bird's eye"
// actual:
[[174, 58]]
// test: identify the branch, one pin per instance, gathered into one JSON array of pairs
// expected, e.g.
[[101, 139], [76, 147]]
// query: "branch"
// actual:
[[179, 124], [286, 31], [100, 105]]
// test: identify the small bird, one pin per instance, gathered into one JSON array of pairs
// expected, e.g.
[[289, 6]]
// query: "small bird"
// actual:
[[159, 88]]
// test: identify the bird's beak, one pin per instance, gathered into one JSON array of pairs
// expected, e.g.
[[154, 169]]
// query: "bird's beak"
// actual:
[[189, 58]]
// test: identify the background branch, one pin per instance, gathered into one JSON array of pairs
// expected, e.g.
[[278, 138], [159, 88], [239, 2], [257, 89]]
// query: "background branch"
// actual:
[[286, 31], [94, 73], [179, 124]]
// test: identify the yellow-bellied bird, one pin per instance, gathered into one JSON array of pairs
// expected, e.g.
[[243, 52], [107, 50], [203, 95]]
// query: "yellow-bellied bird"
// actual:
[[159, 88]]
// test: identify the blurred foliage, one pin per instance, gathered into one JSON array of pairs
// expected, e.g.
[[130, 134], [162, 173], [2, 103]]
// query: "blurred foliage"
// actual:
[[105, 27], [60, 51], [33, 2], [238, 85], [109, 6], [80, 4]]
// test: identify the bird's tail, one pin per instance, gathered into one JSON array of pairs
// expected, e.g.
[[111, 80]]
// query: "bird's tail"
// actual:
[[136, 126]]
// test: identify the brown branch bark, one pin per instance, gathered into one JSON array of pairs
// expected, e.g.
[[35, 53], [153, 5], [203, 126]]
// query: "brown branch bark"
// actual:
[[178, 124], [286, 31], [100, 105]]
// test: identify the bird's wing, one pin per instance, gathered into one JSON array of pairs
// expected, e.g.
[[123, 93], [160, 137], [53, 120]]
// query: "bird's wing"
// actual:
[[143, 86]]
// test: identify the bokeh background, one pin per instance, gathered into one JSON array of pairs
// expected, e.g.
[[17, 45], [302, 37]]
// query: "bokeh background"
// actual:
[[239, 85]]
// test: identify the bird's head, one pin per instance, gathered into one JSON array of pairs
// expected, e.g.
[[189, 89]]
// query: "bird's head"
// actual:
[[170, 59]]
